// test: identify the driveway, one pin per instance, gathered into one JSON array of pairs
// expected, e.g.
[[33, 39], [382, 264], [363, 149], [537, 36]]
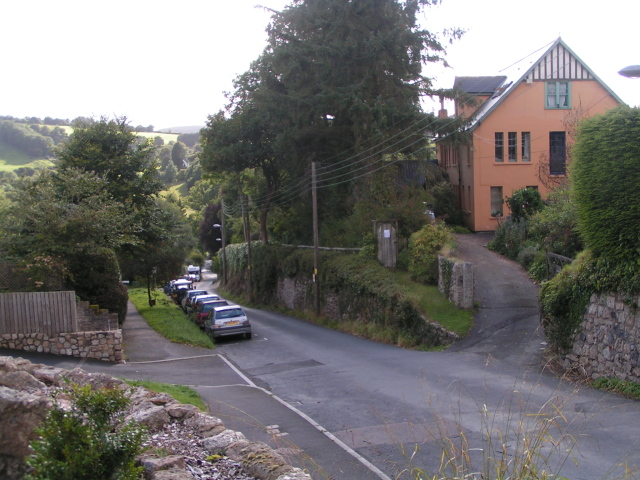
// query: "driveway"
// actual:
[[507, 322]]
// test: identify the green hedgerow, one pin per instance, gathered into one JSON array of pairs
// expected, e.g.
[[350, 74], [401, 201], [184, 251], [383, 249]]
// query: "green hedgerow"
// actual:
[[605, 174], [88, 442]]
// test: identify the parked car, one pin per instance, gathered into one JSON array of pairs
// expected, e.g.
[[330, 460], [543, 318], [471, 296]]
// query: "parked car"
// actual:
[[186, 300], [229, 320], [201, 312], [180, 284], [202, 298]]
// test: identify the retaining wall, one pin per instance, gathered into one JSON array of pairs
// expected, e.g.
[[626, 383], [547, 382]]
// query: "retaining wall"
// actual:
[[106, 346], [608, 340]]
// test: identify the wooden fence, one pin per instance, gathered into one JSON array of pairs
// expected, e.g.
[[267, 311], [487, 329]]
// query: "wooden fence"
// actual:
[[38, 312]]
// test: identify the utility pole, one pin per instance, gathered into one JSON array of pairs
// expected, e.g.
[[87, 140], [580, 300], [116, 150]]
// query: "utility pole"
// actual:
[[316, 285], [224, 245], [247, 236]]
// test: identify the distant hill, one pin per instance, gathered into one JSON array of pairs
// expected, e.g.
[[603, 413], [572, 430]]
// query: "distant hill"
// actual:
[[191, 129]]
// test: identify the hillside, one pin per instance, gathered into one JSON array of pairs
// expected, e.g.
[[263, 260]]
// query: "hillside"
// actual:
[[187, 129]]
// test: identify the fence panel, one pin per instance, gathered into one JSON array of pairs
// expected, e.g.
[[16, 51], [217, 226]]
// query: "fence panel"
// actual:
[[38, 312]]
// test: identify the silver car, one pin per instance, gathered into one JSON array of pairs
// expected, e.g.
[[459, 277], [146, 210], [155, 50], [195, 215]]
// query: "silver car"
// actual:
[[227, 320]]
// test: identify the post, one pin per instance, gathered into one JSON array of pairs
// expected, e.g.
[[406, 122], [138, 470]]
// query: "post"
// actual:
[[316, 285], [247, 236], [224, 245]]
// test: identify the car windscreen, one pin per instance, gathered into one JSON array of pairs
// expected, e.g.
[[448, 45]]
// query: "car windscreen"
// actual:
[[207, 307]]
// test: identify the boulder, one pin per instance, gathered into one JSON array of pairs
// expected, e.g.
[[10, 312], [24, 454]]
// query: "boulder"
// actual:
[[20, 380], [220, 442], [20, 414]]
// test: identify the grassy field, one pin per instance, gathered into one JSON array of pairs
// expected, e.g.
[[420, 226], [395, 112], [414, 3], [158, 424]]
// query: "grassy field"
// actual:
[[11, 159], [167, 137], [168, 319]]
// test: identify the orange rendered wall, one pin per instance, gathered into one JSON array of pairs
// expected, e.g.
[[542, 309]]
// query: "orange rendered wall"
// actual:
[[522, 111]]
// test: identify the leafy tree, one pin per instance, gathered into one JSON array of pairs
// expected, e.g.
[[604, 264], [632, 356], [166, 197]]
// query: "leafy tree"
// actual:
[[339, 83], [26, 139], [179, 155], [158, 141], [605, 176], [111, 149]]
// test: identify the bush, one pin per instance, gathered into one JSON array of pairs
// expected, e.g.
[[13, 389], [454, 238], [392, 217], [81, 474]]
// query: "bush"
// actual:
[[424, 246], [524, 203], [88, 441], [509, 238], [605, 175]]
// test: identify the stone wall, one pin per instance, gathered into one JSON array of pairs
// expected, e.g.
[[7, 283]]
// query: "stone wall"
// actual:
[[101, 345], [91, 318], [455, 281], [608, 341]]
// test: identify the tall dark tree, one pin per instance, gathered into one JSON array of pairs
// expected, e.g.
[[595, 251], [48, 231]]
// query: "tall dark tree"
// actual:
[[339, 83], [179, 155]]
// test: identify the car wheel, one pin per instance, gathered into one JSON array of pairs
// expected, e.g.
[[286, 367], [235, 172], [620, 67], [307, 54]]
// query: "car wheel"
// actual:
[[247, 336]]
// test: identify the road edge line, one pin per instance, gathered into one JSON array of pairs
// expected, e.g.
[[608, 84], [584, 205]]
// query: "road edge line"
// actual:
[[315, 424]]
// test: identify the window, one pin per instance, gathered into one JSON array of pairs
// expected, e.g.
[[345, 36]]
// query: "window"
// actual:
[[512, 138], [499, 147], [558, 95], [557, 153], [496, 201], [526, 146]]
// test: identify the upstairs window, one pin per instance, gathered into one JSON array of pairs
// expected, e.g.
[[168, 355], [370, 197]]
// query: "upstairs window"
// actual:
[[526, 146], [558, 95], [512, 138], [499, 140]]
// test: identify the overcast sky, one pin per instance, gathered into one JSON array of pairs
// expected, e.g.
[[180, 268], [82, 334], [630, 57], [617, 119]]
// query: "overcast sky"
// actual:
[[167, 63]]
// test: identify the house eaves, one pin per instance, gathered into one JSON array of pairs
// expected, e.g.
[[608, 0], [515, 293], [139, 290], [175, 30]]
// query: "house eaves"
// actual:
[[509, 85]]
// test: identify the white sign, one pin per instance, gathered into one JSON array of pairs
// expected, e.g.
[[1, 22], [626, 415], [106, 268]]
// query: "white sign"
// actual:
[[387, 234]]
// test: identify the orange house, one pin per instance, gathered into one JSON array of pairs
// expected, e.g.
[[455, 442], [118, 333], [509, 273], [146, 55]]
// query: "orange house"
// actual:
[[518, 131]]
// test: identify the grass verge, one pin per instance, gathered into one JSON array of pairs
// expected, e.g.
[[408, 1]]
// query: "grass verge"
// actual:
[[181, 393], [625, 388], [168, 319]]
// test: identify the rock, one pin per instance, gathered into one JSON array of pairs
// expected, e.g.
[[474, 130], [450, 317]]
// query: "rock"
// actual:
[[182, 411], [48, 375], [153, 463], [153, 417], [220, 442], [259, 460], [20, 380], [96, 380], [173, 474], [20, 414], [205, 425]]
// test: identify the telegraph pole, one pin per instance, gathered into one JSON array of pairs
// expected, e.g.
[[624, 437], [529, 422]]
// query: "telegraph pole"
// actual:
[[247, 236], [224, 245], [316, 285]]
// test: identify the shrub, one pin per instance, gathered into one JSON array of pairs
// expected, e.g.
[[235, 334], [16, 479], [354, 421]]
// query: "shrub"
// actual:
[[424, 246], [89, 441], [509, 238], [524, 203], [605, 174]]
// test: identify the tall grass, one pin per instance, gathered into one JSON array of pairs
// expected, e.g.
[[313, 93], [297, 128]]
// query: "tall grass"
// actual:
[[168, 319]]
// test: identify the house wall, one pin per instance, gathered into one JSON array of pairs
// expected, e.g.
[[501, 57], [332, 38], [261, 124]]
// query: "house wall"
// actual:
[[522, 111]]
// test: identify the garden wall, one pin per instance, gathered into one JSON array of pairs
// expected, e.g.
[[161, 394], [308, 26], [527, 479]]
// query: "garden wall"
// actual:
[[608, 341]]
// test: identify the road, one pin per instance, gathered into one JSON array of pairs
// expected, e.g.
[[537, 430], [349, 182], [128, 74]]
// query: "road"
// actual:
[[392, 405], [349, 409]]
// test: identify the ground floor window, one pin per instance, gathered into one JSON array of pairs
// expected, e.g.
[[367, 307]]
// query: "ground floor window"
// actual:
[[496, 201], [557, 153]]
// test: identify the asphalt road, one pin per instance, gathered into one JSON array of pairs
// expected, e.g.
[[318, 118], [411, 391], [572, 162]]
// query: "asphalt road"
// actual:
[[350, 409]]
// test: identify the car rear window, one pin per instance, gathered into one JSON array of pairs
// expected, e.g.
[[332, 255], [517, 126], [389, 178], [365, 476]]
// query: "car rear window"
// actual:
[[235, 312]]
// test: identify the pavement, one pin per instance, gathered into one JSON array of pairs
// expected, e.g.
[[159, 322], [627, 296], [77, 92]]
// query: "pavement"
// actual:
[[506, 327]]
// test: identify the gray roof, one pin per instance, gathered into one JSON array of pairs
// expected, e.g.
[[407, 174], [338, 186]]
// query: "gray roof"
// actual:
[[479, 85], [516, 74]]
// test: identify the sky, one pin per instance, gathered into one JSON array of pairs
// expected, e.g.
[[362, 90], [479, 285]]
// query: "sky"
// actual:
[[168, 63]]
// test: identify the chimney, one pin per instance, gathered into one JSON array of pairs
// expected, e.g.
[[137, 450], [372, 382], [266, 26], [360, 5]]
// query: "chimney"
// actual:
[[443, 111]]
